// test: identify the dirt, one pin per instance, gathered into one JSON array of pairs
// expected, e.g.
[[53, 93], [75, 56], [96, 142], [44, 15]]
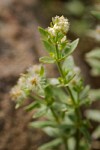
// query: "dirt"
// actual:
[[17, 52]]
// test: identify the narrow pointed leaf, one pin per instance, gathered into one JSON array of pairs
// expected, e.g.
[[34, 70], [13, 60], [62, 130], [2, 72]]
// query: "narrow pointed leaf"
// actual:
[[49, 47], [47, 59], [32, 106], [51, 144], [42, 124], [69, 50], [86, 134], [43, 32], [40, 113], [93, 115]]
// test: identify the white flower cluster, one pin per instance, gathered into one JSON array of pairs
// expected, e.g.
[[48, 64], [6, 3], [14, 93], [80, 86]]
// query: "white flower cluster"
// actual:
[[29, 82], [59, 24]]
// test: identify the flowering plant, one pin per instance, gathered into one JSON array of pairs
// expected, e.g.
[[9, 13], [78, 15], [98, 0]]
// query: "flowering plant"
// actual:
[[57, 100]]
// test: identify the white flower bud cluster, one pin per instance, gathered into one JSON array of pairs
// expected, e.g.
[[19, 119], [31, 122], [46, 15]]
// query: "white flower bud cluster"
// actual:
[[27, 83], [60, 24]]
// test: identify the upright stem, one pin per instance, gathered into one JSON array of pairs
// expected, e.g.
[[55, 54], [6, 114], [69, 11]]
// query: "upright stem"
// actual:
[[55, 115], [66, 88], [59, 122], [77, 111]]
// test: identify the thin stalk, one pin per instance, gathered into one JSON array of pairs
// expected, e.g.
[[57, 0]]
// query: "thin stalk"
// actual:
[[55, 115], [77, 110], [59, 122], [78, 139], [66, 88]]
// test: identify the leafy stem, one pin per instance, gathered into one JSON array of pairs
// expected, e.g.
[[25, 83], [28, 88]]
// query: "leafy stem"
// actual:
[[59, 122], [77, 109]]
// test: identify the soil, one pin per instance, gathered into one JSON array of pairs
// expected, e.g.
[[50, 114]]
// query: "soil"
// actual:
[[17, 52]]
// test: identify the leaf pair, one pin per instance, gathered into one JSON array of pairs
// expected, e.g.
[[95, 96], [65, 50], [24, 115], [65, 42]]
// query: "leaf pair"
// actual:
[[51, 49]]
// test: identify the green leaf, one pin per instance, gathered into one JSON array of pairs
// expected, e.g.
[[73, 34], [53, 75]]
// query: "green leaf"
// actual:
[[51, 131], [32, 106], [40, 112], [94, 62], [42, 71], [96, 133], [51, 144], [96, 14], [93, 115], [47, 59], [71, 143], [68, 64], [85, 132], [84, 93], [93, 59], [59, 94], [74, 45], [94, 94], [84, 145], [43, 32], [49, 47], [69, 50], [42, 124], [95, 53]]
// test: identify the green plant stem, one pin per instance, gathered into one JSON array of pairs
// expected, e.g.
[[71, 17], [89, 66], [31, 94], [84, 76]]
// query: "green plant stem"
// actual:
[[59, 122], [67, 87], [77, 111], [55, 115]]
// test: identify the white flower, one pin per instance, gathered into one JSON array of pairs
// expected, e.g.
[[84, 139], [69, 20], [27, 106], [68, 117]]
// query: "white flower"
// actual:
[[22, 80], [27, 83], [60, 24], [34, 69], [32, 82], [56, 27], [17, 93], [52, 31]]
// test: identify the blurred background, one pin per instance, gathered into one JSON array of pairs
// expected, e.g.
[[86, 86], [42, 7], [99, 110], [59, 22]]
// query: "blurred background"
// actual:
[[20, 47]]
